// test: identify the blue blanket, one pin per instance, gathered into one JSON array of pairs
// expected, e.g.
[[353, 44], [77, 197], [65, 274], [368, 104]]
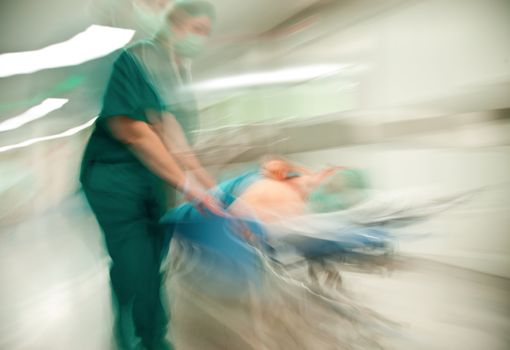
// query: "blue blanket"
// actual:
[[226, 251], [227, 261]]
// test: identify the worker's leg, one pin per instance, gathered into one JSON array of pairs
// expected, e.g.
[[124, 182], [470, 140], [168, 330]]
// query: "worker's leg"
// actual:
[[149, 311], [129, 224]]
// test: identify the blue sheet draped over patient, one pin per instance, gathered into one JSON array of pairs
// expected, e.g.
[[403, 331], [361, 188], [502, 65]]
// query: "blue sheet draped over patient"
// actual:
[[230, 260], [220, 238]]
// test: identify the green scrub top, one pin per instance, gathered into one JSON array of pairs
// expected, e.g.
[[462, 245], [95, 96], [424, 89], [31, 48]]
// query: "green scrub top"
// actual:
[[131, 92]]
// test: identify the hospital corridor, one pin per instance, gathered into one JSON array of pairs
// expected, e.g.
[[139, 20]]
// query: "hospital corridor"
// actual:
[[255, 174]]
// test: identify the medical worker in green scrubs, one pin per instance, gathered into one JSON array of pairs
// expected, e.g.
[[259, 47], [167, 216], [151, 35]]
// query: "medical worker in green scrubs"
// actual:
[[140, 145]]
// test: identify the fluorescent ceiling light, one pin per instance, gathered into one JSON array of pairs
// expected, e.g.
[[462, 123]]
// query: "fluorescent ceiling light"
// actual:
[[66, 133], [96, 41], [274, 77], [45, 107]]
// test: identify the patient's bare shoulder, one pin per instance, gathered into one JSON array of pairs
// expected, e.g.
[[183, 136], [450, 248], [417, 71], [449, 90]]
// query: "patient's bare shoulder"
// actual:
[[276, 190], [268, 199]]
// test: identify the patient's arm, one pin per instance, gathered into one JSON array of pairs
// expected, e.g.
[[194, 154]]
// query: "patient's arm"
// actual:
[[308, 183]]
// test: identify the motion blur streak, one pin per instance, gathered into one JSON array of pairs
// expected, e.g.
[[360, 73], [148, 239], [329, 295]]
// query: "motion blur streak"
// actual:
[[405, 246], [45, 107], [288, 75], [67, 133], [96, 41]]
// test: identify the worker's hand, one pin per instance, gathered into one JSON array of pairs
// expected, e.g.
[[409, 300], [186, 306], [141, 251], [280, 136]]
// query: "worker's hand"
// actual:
[[203, 200], [210, 203]]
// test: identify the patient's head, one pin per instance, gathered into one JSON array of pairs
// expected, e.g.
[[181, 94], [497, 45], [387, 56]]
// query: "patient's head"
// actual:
[[339, 191], [275, 167]]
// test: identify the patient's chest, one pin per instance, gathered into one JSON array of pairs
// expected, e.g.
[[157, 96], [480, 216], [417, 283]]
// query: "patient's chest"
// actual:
[[270, 200]]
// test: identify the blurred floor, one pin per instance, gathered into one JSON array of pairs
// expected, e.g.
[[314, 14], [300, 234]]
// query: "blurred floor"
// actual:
[[55, 292]]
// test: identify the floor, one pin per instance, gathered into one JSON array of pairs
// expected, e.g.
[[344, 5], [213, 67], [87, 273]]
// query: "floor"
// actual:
[[55, 292]]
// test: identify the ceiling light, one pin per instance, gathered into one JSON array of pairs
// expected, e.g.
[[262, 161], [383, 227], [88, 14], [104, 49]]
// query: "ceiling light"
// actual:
[[94, 42], [288, 75], [45, 107]]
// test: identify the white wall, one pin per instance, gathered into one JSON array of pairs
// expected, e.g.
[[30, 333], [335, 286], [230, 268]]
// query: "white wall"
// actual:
[[433, 57]]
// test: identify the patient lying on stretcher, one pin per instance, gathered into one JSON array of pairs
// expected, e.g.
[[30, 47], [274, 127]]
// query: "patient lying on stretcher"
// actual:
[[313, 210], [284, 205], [286, 190], [212, 260]]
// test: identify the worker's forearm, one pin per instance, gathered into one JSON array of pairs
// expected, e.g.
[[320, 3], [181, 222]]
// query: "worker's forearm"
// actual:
[[153, 153], [203, 176], [176, 142], [191, 163], [149, 148]]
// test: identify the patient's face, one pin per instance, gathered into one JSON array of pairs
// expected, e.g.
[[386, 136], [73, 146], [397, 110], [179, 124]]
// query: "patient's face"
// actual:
[[276, 169]]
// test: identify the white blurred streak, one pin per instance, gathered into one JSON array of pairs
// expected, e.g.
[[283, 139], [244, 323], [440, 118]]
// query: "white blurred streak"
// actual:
[[273, 77], [96, 41], [66, 133], [44, 108]]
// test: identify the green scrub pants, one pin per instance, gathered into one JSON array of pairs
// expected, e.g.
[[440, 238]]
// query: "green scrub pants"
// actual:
[[128, 205]]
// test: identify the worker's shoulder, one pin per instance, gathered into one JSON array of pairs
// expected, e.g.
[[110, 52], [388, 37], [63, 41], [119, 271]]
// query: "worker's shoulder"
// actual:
[[145, 50], [140, 45], [136, 49], [130, 59]]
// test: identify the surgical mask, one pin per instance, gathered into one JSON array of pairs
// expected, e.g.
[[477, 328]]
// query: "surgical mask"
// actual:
[[190, 46]]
